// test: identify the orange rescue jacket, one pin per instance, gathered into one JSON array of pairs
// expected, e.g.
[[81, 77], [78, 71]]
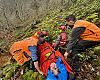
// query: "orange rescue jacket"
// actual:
[[92, 32]]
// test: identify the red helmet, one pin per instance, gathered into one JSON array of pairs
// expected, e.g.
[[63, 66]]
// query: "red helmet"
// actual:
[[62, 27], [43, 32], [38, 33]]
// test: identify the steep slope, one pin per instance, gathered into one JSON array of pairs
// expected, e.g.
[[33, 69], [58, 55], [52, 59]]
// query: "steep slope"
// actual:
[[82, 9]]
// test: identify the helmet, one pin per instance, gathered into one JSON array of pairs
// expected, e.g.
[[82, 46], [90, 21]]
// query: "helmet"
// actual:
[[62, 27], [45, 33], [38, 33]]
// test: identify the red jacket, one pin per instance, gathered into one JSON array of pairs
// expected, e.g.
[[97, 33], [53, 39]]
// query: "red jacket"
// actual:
[[47, 56]]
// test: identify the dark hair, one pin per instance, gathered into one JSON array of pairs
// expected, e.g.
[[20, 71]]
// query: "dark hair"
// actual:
[[70, 17]]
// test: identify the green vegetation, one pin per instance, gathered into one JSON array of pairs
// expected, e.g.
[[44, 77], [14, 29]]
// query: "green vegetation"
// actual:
[[82, 9], [8, 71], [30, 75]]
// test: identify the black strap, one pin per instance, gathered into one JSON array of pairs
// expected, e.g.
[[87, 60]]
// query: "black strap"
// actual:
[[25, 54]]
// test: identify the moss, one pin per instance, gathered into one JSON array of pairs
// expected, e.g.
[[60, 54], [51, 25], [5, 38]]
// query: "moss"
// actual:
[[97, 50]]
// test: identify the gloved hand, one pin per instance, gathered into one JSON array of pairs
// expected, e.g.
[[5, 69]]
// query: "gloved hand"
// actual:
[[65, 55]]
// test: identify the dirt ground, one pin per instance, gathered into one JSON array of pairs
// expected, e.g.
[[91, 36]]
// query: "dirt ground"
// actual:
[[4, 59]]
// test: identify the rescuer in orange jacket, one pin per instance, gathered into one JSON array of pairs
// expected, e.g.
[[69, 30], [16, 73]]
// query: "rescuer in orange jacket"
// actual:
[[84, 34]]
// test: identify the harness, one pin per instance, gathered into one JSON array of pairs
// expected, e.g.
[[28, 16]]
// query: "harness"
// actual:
[[55, 57], [50, 54]]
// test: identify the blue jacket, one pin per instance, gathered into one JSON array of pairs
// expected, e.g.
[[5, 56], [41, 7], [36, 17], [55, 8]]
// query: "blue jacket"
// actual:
[[63, 75], [33, 50]]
